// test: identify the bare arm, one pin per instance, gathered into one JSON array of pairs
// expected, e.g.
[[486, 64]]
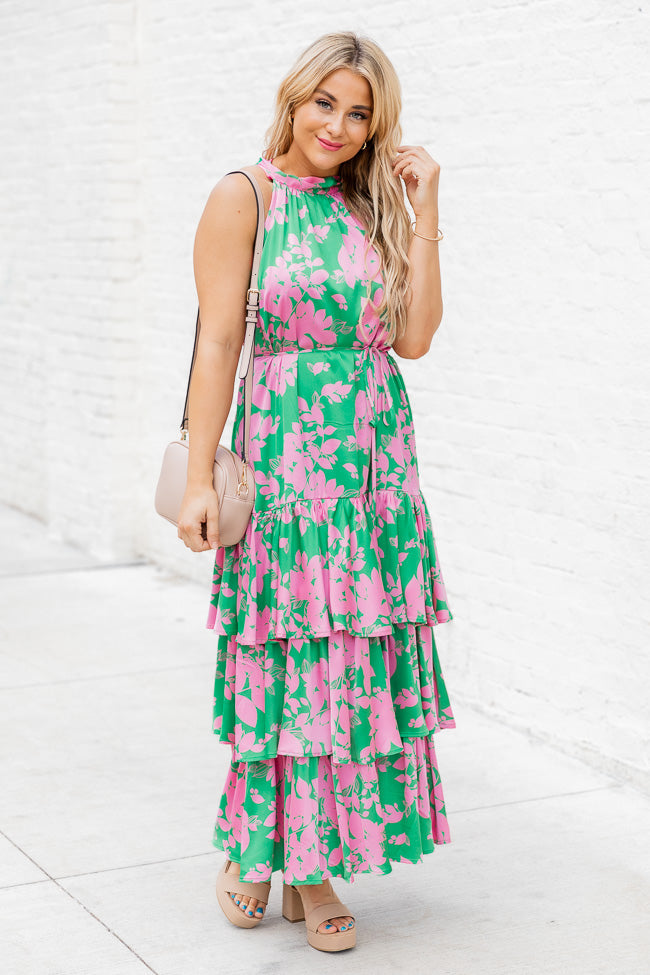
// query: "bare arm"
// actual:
[[223, 255], [425, 310]]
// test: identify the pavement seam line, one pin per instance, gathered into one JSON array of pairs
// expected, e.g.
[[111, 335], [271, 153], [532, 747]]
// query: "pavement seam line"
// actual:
[[77, 901], [136, 866], [62, 570], [554, 795], [124, 673]]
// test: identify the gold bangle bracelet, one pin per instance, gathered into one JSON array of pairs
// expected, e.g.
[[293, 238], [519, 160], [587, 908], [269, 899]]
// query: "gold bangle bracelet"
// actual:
[[439, 237]]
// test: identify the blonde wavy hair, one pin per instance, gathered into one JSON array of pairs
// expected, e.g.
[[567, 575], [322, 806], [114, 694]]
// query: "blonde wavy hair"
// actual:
[[367, 182]]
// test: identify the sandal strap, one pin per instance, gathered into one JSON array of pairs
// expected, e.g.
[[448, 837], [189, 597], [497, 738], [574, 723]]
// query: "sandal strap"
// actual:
[[260, 890], [326, 911]]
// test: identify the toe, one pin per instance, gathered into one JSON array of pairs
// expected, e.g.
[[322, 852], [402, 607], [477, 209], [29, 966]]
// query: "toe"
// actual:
[[333, 925]]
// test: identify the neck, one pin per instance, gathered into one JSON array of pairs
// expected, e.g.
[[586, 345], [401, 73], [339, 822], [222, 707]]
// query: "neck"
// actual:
[[299, 165]]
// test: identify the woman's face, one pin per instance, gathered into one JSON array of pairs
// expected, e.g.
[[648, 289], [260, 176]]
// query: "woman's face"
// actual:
[[336, 115]]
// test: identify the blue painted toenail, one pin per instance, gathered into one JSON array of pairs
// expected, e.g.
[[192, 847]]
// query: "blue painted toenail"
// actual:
[[259, 910], [250, 912], [329, 926], [344, 927]]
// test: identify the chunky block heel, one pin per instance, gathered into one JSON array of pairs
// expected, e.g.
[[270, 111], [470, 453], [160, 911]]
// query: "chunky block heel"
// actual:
[[292, 908]]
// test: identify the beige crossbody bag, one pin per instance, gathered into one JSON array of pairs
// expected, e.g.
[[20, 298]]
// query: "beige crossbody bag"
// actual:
[[233, 478]]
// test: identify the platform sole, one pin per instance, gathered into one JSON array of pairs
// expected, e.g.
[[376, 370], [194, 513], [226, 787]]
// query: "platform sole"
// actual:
[[293, 910]]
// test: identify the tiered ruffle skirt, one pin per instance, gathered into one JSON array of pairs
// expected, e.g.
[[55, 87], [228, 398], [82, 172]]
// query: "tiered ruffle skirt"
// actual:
[[329, 688]]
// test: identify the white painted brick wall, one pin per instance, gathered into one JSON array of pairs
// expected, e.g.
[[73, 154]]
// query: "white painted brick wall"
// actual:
[[71, 251], [531, 408]]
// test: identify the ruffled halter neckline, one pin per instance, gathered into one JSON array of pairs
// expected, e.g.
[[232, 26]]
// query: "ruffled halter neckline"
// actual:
[[297, 182]]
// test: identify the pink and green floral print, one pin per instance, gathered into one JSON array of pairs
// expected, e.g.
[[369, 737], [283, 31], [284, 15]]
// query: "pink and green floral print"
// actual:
[[328, 685]]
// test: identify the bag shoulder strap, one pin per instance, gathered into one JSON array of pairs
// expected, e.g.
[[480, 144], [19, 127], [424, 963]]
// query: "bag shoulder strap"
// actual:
[[252, 307]]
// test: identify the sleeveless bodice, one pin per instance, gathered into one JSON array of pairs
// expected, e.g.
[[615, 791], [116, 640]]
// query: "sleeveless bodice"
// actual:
[[318, 288]]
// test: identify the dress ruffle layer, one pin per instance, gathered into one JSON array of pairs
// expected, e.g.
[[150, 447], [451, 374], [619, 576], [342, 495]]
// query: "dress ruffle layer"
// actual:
[[329, 687], [315, 819], [353, 698], [314, 567]]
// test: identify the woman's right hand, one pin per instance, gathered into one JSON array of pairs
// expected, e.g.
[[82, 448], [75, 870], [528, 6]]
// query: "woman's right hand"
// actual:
[[198, 518]]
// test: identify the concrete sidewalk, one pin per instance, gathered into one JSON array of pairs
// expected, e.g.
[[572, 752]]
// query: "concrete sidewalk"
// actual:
[[111, 778]]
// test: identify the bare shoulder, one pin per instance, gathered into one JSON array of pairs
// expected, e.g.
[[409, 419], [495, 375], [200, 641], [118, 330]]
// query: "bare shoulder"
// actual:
[[263, 181], [232, 200], [227, 227], [256, 170]]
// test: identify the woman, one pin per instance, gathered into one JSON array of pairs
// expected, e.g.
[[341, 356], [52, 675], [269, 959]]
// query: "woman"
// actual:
[[328, 686]]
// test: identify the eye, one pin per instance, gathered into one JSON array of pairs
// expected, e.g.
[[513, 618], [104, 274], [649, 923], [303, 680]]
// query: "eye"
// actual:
[[323, 101]]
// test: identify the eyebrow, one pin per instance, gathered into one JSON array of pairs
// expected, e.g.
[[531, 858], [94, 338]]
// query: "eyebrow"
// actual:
[[334, 99]]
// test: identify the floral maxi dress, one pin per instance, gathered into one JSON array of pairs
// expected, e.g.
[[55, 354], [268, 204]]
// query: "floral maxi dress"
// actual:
[[328, 685]]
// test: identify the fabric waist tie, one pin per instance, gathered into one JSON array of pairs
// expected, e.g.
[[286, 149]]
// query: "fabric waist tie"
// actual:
[[371, 362]]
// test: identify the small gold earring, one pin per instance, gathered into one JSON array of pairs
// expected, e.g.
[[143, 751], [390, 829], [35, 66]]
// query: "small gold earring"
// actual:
[[364, 145]]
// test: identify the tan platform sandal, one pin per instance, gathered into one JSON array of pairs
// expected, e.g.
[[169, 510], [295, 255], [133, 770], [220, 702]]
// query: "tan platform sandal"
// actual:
[[293, 910], [228, 882]]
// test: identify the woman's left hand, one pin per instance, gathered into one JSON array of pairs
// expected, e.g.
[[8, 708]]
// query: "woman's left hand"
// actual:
[[422, 190]]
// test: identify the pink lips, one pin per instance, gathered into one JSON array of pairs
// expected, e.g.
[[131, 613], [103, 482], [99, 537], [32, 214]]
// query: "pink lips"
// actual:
[[329, 145]]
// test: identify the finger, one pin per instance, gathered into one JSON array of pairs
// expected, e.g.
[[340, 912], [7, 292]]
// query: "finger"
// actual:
[[407, 171], [399, 167], [213, 539], [197, 540], [412, 156], [193, 538], [407, 160]]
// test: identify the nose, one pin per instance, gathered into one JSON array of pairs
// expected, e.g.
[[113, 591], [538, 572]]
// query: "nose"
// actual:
[[334, 128]]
